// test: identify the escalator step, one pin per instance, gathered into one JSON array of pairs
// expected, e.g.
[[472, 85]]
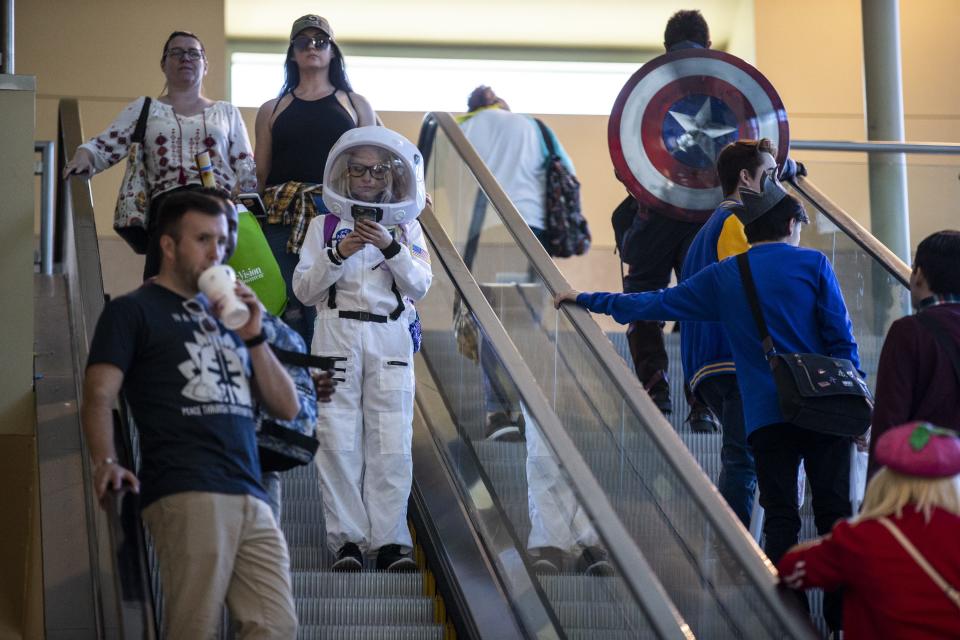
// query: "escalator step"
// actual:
[[368, 611], [584, 588], [622, 615], [610, 634], [325, 584], [309, 558], [300, 534], [330, 632]]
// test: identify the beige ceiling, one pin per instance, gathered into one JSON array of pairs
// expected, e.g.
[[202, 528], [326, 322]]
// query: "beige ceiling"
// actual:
[[598, 24]]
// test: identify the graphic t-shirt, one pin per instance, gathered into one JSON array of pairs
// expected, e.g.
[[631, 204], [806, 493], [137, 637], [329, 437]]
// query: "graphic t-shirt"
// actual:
[[187, 380]]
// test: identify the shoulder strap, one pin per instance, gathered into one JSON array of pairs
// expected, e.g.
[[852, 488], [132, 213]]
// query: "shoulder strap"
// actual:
[[547, 138], [354, 106], [746, 276], [276, 105], [894, 530], [330, 222], [941, 337], [141, 128]]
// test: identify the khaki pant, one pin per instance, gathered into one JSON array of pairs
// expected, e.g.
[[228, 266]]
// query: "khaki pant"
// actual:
[[212, 548]]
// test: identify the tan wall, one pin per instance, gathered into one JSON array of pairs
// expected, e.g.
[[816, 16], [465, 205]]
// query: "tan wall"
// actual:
[[107, 52], [812, 52]]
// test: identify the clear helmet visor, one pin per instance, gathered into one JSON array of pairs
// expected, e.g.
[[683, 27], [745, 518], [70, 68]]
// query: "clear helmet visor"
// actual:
[[369, 173]]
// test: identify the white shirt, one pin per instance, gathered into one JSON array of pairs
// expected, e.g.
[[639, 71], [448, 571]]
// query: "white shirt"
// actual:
[[171, 142], [511, 146]]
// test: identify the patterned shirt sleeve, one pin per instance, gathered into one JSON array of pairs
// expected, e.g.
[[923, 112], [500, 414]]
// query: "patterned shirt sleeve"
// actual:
[[113, 144], [240, 154]]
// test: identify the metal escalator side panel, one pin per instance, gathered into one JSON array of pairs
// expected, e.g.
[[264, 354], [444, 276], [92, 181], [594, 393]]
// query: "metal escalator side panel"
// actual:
[[438, 308], [695, 518], [467, 579]]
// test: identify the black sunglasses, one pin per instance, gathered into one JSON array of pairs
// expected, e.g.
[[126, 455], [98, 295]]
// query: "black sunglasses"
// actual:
[[302, 43]]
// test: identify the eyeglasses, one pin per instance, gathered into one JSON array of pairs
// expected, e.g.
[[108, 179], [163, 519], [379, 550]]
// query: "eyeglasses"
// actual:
[[199, 313], [377, 171], [302, 43], [189, 54]]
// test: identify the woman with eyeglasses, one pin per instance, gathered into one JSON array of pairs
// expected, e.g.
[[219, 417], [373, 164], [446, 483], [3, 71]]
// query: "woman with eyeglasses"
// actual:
[[181, 123], [294, 135]]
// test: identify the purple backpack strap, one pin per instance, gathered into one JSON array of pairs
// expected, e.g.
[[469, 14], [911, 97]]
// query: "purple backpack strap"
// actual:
[[330, 222]]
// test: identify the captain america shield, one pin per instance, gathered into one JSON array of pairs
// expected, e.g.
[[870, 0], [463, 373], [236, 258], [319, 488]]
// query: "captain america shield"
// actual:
[[673, 117]]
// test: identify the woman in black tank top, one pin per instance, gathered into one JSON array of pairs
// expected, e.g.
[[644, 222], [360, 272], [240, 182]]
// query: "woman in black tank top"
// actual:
[[294, 134]]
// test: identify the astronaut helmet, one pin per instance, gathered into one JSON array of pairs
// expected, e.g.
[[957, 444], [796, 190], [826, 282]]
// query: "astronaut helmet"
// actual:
[[374, 173]]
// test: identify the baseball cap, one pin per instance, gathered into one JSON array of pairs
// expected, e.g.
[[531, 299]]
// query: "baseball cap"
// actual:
[[308, 21]]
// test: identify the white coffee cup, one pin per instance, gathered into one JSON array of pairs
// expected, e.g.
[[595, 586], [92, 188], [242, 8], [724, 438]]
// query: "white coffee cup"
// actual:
[[217, 283]]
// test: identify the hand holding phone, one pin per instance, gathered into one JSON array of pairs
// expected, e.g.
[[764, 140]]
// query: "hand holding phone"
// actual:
[[253, 203]]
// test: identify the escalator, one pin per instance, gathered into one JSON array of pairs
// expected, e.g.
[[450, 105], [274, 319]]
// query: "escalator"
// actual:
[[475, 579], [683, 566], [712, 569]]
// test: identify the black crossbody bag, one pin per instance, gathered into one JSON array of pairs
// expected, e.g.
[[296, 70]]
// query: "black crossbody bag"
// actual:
[[816, 392]]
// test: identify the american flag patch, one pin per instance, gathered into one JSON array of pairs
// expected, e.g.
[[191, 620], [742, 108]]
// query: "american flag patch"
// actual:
[[420, 252]]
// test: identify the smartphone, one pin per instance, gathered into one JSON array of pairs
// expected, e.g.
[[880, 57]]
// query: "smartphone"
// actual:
[[253, 203], [373, 214]]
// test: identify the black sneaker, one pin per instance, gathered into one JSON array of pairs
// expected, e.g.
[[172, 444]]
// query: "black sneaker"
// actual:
[[547, 561], [349, 559], [503, 428], [390, 558], [593, 562], [702, 420], [660, 394]]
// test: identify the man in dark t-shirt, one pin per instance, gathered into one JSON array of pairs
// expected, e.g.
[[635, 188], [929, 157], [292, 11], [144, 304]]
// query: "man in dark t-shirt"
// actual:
[[191, 385]]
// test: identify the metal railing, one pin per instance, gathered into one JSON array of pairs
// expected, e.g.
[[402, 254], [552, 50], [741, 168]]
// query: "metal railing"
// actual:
[[876, 249], [876, 146], [123, 598], [631, 563], [756, 566], [48, 194]]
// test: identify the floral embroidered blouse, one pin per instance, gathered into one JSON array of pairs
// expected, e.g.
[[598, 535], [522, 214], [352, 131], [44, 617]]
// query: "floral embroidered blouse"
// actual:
[[172, 141]]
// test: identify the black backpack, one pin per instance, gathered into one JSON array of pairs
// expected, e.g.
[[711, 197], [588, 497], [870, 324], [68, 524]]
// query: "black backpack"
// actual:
[[567, 230], [622, 219]]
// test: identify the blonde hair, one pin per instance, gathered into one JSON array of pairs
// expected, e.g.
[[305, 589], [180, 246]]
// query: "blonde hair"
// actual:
[[394, 181], [889, 492]]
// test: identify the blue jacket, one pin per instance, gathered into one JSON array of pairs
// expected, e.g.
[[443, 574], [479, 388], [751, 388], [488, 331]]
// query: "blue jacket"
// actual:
[[800, 299], [704, 348]]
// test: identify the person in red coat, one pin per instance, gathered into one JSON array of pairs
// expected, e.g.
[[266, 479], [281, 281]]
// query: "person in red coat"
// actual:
[[887, 591]]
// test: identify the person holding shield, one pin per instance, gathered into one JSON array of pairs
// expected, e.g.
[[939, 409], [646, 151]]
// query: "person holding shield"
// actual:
[[654, 234]]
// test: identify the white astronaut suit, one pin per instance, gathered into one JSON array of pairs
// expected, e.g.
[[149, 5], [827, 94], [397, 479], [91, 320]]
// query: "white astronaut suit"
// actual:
[[556, 518], [364, 459]]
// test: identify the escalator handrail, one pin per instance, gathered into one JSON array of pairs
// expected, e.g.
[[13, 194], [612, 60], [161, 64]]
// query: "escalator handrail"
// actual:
[[760, 570], [632, 565], [124, 544], [856, 231]]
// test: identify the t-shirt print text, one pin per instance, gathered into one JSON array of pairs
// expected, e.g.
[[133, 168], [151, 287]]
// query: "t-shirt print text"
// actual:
[[215, 373]]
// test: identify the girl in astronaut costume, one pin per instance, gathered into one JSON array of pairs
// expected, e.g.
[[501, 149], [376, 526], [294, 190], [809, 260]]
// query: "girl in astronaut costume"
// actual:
[[363, 282]]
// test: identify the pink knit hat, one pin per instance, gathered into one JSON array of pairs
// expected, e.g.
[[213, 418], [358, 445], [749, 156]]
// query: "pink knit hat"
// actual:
[[920, 449]]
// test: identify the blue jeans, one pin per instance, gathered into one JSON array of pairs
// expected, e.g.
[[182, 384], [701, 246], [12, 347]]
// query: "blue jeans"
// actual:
[[738, 475], [299, 316]]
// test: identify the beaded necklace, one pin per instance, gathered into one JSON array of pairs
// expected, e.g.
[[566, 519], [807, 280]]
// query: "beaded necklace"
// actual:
[[208, 142]]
